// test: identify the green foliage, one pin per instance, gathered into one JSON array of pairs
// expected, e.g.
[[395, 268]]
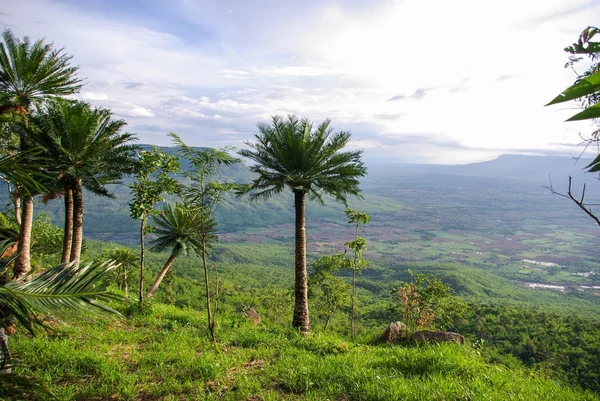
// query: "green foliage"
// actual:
[[204, 195], [125, 259], [426, 302], [177, 230], [563, 346], [60, 291], [161, 356], [81, 142], [330, 293], [290, 154], [586, 88], [30, 72], [23, 172], [153, 181]]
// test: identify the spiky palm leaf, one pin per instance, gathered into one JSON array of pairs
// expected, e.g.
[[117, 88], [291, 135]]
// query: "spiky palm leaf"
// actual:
[[83, 142], [61, 291], [32, 72], [176, 229], [290, 154], [22, 172]]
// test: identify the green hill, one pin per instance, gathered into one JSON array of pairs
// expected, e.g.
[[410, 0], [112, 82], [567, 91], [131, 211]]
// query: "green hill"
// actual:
[[165, 355]]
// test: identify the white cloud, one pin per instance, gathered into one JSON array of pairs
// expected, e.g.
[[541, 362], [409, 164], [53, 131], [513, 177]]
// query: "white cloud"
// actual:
[[472, 75]]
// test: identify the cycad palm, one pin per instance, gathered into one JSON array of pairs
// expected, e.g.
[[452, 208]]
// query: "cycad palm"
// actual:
[[289, 154], [177, 229], [87, 149], [29, 74]]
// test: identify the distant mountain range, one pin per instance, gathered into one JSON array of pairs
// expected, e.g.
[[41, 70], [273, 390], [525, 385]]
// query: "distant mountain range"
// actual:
[[523, 167]]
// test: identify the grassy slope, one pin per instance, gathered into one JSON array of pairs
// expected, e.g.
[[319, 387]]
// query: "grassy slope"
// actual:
[[165, 355]]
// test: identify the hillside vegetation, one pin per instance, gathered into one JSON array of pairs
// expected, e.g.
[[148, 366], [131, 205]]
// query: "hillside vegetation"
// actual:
[[165, 354]]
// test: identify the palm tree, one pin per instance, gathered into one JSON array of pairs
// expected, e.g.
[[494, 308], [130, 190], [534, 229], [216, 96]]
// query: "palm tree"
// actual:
[[125, 258], [177, 229], [86, 148], [29, 74], [288, 153]]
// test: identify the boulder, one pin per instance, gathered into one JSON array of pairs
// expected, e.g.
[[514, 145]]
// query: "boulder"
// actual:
[[437, 336], [252, 315], [395, 332]]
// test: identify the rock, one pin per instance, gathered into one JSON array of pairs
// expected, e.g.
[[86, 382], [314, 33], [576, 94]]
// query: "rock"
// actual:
[[395, 332], [253, 315], [437, 336]]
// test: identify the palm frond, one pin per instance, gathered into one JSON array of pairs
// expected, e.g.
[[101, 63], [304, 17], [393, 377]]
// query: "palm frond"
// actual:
[[62, 291], [289, 153]]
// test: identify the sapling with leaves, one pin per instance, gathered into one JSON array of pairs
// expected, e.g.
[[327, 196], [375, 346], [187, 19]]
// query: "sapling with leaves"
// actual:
[[152, 182], [204, 194], [330, 293], [357, 263]]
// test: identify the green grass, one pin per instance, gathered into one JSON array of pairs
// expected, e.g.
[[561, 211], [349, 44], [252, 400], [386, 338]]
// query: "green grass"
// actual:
[[166, 355]]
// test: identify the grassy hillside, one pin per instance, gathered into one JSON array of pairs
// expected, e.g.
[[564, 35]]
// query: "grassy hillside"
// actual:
[[165, 355]]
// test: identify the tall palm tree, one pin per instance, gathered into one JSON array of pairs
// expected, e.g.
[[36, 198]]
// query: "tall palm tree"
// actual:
[[177, 229], [29, 74], [288, 153], [86, 148]]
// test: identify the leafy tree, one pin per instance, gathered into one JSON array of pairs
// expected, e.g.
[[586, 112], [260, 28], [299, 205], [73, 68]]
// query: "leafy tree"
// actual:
[[29, 74], [152, 182], [331, 292], [426, 302], [204, 194], [357, 264], [289, 153], [177, 229], [85, 148]]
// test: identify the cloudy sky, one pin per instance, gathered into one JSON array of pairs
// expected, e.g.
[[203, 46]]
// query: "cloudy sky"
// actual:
[[414, 80]]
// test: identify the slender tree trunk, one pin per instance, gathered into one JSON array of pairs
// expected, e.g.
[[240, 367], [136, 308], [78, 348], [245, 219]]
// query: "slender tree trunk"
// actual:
[[125, 282], [161, 275], [142, 257], [77, 223], [23, 263], [68, 231], [211, 323], [329, 315], [16, 199], [352, 314], [301, 318]]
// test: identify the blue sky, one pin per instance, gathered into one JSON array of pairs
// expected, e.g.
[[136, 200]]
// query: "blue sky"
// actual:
[[416, 81]]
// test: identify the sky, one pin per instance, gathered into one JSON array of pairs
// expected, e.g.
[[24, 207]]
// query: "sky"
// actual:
[[423, 81]]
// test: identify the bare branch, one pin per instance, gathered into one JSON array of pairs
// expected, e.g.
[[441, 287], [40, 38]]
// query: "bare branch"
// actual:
[[581, 204]]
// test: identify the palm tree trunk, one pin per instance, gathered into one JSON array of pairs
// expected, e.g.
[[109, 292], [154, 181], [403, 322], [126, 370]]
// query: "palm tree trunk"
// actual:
[[77, 223], [23, 263], [161, 275], [211, 323], [68, 232], [301, 319], [16, 199], [142, 257]]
